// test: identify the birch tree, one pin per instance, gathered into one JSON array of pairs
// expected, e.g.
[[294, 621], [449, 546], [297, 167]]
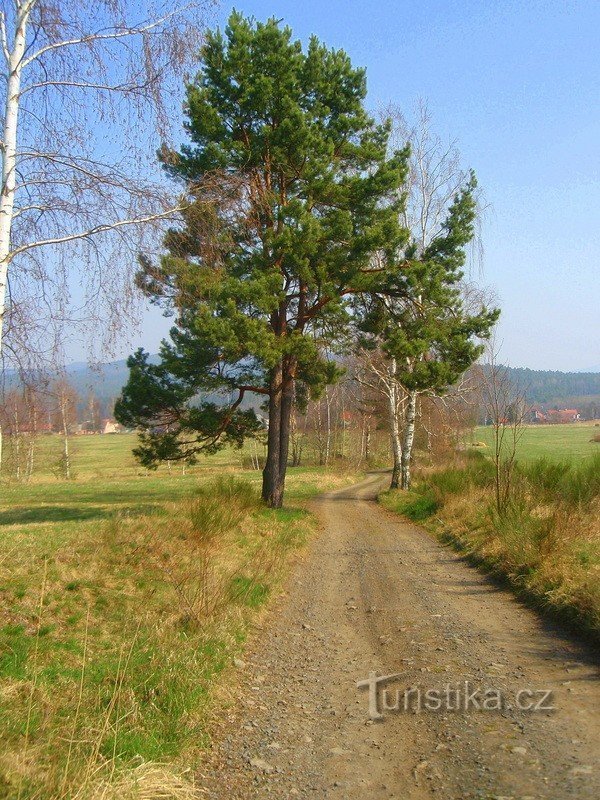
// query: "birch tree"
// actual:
[[379, 374], [434, 178], [66, 419], [86, 98], [426, 335]]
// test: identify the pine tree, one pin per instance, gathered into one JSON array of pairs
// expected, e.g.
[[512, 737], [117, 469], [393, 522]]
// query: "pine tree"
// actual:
[[293, 211]]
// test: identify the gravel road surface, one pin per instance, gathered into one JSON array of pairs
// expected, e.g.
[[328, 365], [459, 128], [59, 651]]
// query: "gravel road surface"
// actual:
[[375, 596]]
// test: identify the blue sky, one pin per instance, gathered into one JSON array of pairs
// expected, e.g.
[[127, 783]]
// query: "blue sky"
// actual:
[[517, 84]]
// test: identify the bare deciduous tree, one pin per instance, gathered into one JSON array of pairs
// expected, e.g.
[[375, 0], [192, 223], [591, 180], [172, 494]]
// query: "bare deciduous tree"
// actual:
[[376, 372], [505, 409], [66, 418], [87, 93], [87, 88]]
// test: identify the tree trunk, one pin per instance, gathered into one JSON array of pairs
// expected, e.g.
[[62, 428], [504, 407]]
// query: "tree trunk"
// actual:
[[319, 433], [32, 441], [9, 162], [281, 402], [17, 441], [9, 154], [272, 493], [66, 454], [328, 436], [296, 439], [287, 408], [409, 436], [394, 436]]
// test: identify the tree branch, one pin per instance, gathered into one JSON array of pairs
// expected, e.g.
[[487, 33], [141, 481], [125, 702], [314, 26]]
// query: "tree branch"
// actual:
[[118, 33], [93, 231]]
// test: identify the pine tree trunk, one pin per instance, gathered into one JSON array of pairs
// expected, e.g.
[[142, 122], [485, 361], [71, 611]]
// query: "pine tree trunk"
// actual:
[[287, 408], [271, 492], [281, 400], [409, 437]]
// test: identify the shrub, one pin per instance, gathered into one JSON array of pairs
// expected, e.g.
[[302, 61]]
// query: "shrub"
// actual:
[[581, 485], [545, 474], [419, 507], [231, 489], [522, 534], [221, 505], [450, 481]]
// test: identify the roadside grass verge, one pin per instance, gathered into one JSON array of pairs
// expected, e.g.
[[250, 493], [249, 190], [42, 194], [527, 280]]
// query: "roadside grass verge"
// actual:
[[122, 603], [547, 543]]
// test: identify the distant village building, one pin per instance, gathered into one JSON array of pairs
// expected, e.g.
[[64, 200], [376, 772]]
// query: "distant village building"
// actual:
[[536, 415], [86, 428], [563, 415], [553, 416], [111, 426]]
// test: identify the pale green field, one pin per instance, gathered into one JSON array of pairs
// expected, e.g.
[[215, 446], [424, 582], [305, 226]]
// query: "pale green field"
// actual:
[[107, 479], [110, 456], [559, 442]]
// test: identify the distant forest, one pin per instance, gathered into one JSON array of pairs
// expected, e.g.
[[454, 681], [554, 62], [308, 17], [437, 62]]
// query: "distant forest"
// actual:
[[545, 387], [580, 390], [552, 388]]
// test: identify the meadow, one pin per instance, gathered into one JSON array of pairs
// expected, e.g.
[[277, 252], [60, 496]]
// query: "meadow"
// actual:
[[124, 595], [571, 441]]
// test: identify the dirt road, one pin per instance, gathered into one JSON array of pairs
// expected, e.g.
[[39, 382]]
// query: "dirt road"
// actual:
[[376, 595]]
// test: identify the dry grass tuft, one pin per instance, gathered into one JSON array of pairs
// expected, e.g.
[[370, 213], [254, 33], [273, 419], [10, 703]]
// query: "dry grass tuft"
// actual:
[[148, 781]]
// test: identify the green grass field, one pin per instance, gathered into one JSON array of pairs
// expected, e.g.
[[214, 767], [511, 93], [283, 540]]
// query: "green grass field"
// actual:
[[123, 596], [107, 480], [559, 442]]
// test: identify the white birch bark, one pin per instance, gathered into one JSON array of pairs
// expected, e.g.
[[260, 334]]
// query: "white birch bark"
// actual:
[[16, 433], [395, 435], [328, 431], [65, 431], [408, 439], [14, 59]]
